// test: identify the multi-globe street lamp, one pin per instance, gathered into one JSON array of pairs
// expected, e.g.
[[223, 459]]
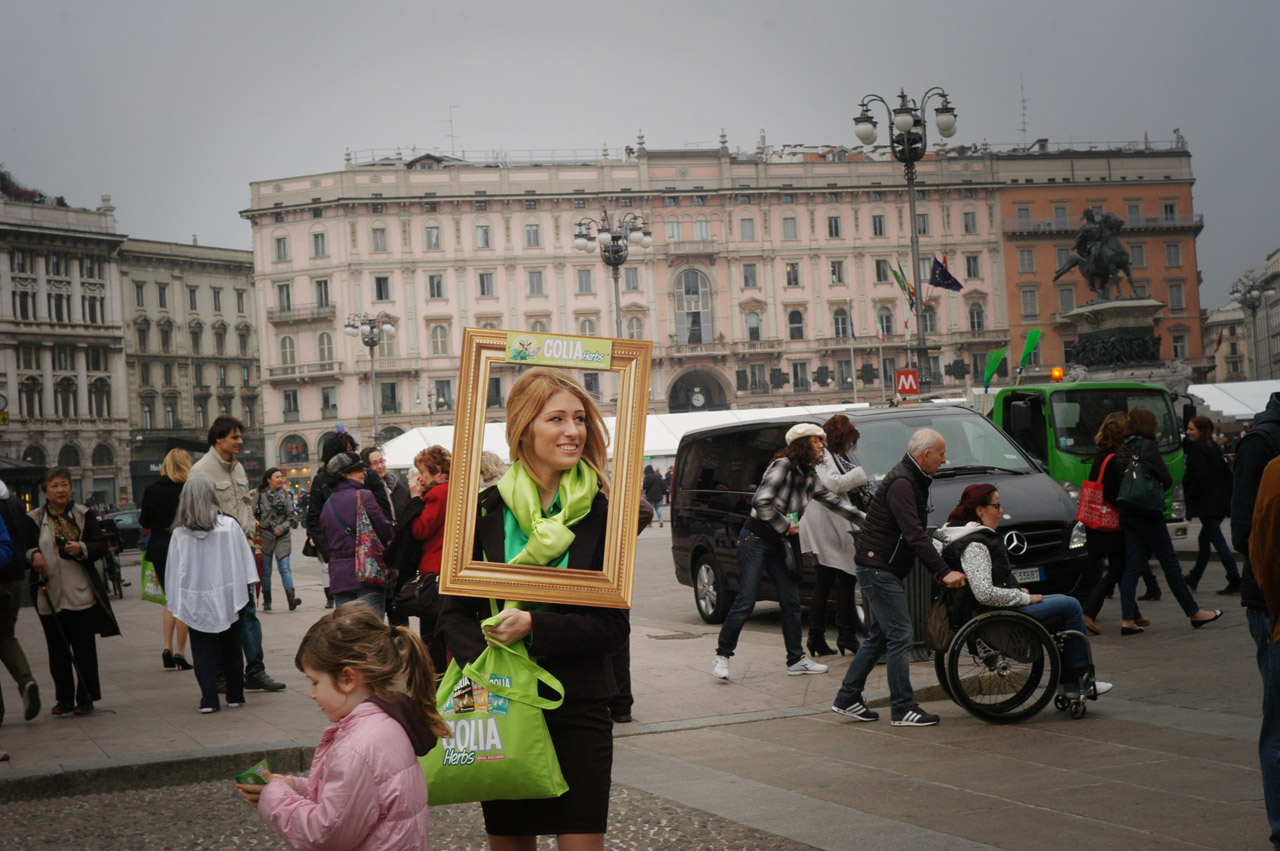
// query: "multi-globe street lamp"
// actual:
[[613, 237], [371, 328], [1252, 296], [908, 142]]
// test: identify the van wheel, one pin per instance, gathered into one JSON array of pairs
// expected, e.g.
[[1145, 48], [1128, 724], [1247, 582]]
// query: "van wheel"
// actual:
[[709, 593]]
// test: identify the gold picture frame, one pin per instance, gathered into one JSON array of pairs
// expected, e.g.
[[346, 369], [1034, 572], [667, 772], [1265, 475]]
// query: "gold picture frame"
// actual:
[[464, 576]]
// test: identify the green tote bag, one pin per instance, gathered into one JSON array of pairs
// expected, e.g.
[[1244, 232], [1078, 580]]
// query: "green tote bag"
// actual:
[[152, 590], [500, 748]]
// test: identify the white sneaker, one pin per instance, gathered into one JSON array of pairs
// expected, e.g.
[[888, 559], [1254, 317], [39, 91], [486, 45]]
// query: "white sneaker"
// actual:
[[805, 665], [720, 668], [1102, 687]]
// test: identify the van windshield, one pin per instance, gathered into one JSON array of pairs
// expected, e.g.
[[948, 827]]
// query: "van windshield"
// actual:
[[1078, 414], [973, 443]]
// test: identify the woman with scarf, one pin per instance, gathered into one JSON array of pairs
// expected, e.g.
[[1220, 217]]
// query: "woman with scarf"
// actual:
[[276, 518], [550, 508], [71, 599]]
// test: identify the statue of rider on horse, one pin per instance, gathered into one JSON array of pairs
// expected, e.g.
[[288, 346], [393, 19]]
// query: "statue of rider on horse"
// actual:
[[1099, 255]]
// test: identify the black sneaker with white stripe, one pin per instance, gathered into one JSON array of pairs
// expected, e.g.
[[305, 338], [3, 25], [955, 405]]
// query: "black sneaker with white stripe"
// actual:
[[857, 710], [914, 716]]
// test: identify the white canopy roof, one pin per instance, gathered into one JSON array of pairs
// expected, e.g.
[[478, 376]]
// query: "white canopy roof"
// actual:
[[1238, 400]]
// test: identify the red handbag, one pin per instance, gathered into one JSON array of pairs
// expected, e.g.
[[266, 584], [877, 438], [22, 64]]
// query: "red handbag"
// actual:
[[1094, 511]]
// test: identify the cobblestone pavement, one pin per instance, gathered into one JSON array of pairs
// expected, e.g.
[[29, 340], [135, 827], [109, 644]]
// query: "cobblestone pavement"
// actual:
[[211, 816]]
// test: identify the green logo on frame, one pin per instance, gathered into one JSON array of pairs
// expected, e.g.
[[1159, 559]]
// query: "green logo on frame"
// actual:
[[550, 350]]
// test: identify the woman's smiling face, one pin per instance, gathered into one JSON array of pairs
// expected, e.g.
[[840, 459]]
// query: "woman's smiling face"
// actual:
[[557, 436]]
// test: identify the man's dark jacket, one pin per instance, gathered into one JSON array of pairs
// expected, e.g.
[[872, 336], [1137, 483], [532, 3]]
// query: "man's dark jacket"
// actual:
[[1259, 445], [893, 536]]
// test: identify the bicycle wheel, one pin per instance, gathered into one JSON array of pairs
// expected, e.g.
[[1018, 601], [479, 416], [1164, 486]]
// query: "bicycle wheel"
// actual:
[[1003, 667]]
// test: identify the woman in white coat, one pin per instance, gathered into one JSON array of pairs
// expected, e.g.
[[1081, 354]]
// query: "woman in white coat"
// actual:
[[828, 541], [207, 584]]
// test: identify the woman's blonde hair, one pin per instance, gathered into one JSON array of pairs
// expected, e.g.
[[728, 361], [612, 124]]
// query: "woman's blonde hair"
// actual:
[[491, 466], [176, 466], [392, 660], [529, 396]]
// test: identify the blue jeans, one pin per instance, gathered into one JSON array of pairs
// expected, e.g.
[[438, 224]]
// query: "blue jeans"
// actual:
[[251, 639], [1140, 532], [657, 510], [755, 556], [1269, 732], [890, 635], [1211, 536], [1075, 655], [286, 575], [374, 598]]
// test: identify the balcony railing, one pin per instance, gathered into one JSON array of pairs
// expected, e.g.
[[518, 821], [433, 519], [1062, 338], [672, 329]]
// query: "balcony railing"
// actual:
[[304, 371], [696, 246], [291, 416], [758, 347], [1179, 221], [301, 313], [329, 413], [705, 350], [988, 335]]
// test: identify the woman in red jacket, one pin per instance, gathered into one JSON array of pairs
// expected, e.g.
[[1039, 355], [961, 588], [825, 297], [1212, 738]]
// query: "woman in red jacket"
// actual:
[[429, 529]]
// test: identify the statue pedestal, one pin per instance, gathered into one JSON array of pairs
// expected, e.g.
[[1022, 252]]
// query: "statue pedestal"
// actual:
[[1117, 342], [1119, 314]]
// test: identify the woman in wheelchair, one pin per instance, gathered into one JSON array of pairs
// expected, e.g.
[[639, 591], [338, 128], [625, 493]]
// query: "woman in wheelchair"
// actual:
[[974, 547]]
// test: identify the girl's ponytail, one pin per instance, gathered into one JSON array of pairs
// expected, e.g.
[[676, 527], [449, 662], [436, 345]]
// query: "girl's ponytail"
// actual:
[[419, 678]]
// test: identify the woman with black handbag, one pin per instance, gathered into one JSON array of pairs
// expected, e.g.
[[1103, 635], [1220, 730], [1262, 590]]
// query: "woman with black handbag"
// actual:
[[1143, 525]]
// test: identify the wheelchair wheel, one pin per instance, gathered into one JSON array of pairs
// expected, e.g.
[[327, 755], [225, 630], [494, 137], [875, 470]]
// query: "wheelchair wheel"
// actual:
[[1003, 667], [1061, 703]]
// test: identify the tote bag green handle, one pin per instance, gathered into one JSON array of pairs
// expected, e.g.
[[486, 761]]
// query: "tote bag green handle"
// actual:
[[519, 658]]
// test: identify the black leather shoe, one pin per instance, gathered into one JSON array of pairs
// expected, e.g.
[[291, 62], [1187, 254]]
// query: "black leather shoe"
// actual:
[[262, 683], [181, 662], [166, 659]]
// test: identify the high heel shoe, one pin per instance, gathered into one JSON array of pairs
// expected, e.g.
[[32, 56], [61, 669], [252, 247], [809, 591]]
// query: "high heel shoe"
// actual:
[[181, 662], [852, 648], [166, 658], [817, 645]]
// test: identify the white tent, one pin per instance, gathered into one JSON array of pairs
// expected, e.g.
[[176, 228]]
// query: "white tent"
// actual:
[[662, 432], [1237, 400]]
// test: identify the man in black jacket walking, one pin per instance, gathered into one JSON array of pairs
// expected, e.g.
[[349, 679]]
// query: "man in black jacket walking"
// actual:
[[893, 537], [1257, 448]]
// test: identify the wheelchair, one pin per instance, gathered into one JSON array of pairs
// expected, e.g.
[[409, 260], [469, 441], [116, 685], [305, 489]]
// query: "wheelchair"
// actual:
[[1004, 666]]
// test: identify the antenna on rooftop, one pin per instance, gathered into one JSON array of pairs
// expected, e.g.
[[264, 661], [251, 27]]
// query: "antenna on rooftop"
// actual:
[[1022, 94], [453, 140]]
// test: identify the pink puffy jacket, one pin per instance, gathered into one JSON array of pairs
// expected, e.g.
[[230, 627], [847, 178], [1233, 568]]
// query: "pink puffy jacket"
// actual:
[[366, 790]]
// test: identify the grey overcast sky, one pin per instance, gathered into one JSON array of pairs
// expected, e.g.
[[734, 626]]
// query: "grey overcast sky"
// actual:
[[174, 107]]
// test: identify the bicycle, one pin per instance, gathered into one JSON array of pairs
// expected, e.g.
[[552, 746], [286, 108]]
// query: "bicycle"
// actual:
[[111, 562]]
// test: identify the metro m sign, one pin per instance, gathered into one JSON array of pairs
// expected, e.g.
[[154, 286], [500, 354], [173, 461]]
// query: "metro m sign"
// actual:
[[908, 382]]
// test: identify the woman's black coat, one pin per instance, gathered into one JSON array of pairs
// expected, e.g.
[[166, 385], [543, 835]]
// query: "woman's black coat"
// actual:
[[1207, 481]]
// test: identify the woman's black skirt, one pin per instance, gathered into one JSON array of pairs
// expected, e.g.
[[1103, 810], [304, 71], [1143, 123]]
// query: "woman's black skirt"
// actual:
[[582, 734]]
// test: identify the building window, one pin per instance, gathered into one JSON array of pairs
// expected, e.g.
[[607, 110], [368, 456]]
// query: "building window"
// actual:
[[752, 321], [535, 282], [877, 224], [243, 337], [1173, 254], [485, 280], [1134, 213], [193, 298], [795, 324], [693, 308], [970, 222], [929, 320], [435, 286], [635, 328], [139, 295], [321, 287], [290, 402], [244, 370], [925, 270], [1066, 299], [800, 375], [282, 249], [749, 278], [65, 402], [788, 198], [922, 224], [977, 317], [837, 271], [433, 238], [884, 318], [758, 381], [835, 229], [284, 297], [287, 351], [1138, 255], [584, 282], [379, 239], [166, 340], [162, 295], [631, 280], [493, 398], [532, 237], [482, 236], [1062, 256], [202, 414], [381, 288], [1026, 260], [789, 228], [319, 247], [390, 398], [972, 266], [668, 201], [1176, 303], [1179, 345], [142, 340], [840, 323], [591, 383], [538, 326], [148, 415], [702, 230], [587, 327], [673, 231], [1023, 219], [1030, 303], [1170, 213], [481, 206], [195, 341], [324, 347], [747, 229], [444, 394], [217, 300], [792, 274], [439, 341]]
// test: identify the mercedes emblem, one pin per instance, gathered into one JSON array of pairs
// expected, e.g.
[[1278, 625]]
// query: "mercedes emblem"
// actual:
[[1015, 543]]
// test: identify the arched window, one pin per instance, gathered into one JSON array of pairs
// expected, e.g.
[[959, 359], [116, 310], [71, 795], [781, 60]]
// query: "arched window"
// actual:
[[288, 355], [440, 340], [885, 319], [977, 317], [103, 456], [170, 415], [30, 399], [389, 433], [324, 347], [538, 326], [69, 456], [635, 328], [693, 309], [65, 399], [293, 449], [841, 323], [34, 455], [100, 399], [148, 415], [929, 319], [795, 322], [587, 328], [753, 326]]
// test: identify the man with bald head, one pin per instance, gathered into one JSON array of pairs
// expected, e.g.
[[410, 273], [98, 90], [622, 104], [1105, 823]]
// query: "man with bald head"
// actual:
[[893, 537]]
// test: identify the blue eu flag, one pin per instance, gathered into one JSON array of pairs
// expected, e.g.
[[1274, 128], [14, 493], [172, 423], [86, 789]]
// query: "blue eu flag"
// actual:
[[940, 277]]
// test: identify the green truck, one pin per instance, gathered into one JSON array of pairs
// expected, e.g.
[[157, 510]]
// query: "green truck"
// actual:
[[1056, 424]]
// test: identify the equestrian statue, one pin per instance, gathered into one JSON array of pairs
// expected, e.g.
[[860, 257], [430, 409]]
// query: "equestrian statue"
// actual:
[[1099, 255]]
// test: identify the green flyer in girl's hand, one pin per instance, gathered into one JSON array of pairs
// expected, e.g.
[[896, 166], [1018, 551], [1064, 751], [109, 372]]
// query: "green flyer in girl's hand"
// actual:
[[254, 775]]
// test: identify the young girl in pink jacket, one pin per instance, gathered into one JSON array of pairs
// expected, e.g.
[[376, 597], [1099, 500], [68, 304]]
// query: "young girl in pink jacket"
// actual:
[[366, 789]]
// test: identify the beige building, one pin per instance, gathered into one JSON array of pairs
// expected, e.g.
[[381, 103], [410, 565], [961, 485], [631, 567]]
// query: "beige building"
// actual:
[[1226, 346], [191, 347], [62, 365]]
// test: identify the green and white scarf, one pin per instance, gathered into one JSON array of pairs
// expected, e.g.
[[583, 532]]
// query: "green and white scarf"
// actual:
[[546, 536]]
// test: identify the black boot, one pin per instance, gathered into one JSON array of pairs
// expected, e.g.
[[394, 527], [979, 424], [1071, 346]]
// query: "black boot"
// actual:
[[294, 602], [847, 634], [266, 600], [328, 598], [817, 643]]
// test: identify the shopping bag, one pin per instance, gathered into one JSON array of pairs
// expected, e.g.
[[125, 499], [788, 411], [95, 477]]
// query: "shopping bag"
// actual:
[[1139, 491], [371, 569], [1094, 511], [500, 748], [152, 590]]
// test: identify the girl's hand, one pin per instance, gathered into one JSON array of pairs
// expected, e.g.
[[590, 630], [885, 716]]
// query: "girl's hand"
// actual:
[[516, 624], [251, 792]]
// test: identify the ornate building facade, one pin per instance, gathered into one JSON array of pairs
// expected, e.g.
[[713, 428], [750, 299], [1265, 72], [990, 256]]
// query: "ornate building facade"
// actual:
[[191, 350], [62, 365], [769, 281]]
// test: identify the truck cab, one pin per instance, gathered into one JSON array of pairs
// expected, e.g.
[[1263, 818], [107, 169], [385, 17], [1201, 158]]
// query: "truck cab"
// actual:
[[1056, 424]]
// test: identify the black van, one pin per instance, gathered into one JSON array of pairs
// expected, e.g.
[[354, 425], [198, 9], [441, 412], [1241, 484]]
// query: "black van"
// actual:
[[717, 470]]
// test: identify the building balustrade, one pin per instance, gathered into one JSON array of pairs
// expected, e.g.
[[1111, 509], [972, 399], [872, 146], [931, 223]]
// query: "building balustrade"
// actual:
[[301, 313], [329, 413], [683, 248], [292, 416], [705, 350], [770, 346], [1178, 221], [304, 371], [988, 335]]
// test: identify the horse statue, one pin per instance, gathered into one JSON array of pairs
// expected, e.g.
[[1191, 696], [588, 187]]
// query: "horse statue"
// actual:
[[1099, 255]]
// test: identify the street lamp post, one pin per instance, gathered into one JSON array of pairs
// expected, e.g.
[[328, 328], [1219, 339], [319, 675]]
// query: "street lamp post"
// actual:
[[1251, 295], [908, 144], [371, 328], [613, 237]]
